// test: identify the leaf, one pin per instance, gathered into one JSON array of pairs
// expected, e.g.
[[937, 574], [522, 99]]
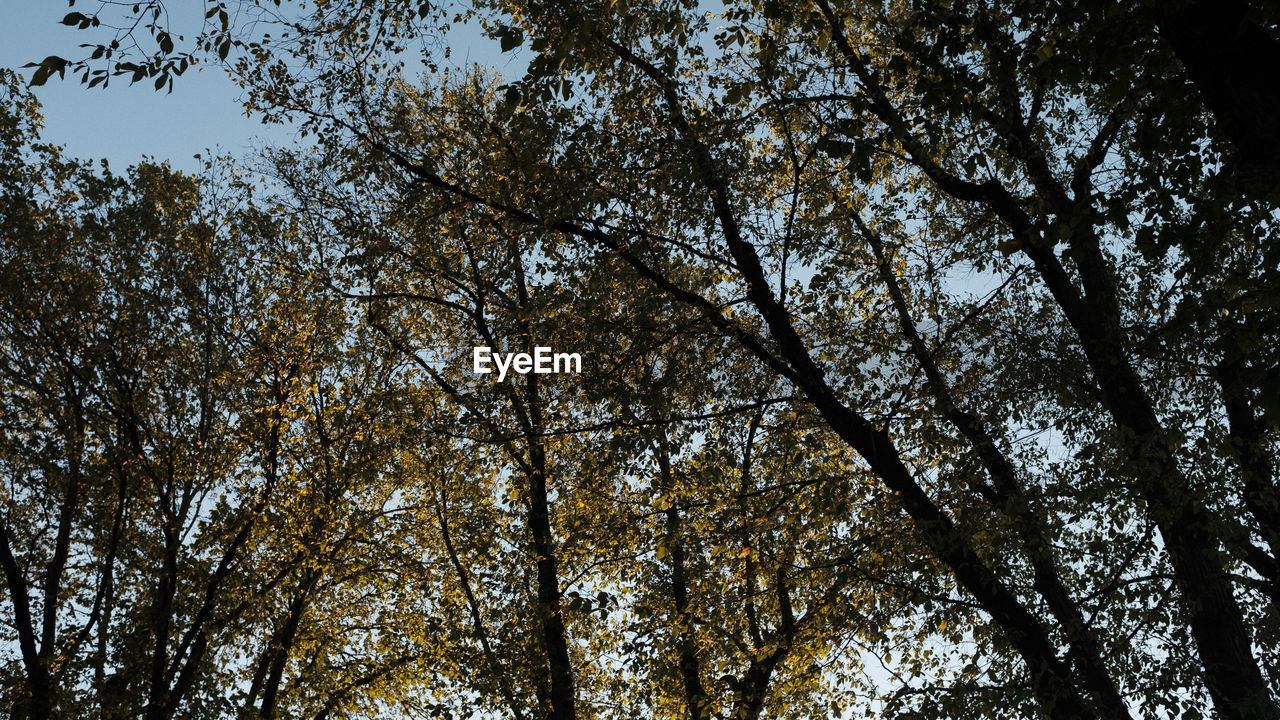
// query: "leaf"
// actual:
[[40, 77], [835, 147], [1044, 53], [45, 68], [510, 38], [1009, 246], [735, 94]]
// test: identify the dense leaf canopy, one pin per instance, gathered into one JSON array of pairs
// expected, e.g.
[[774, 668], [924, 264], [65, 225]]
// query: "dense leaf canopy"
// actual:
[[929, 369]]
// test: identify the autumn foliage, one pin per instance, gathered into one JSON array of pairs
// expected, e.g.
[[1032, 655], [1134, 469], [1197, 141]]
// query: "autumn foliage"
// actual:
[[928, 369]]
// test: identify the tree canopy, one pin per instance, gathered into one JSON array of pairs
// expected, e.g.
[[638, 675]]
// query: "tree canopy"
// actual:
[[929, 369]]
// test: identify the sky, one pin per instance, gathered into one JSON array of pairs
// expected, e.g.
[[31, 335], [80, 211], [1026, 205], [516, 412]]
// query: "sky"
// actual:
[[125, 123]]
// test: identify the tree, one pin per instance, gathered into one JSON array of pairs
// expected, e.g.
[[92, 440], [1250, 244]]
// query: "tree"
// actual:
[[858, 145], [177, 452], [148, 41], [930, 364], [621, 503]]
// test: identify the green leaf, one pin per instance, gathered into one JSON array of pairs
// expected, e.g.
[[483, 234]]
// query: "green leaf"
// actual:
[[510, 38], [1044, 53], [834, 147], [1009, 247], [40, 77]]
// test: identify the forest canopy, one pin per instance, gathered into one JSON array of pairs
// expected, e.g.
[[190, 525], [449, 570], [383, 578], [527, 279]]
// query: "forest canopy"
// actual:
[[929, 368]]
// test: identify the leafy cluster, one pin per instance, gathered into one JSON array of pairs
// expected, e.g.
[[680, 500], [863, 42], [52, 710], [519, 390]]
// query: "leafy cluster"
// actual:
[[929, 369]]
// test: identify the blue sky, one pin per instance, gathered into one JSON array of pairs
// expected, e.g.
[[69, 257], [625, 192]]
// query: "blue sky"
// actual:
[[124, 123]]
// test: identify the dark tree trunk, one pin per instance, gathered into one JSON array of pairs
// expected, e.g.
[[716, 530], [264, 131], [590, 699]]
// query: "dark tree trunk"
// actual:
[[1235, 65], [554, 634], [695, 695]]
